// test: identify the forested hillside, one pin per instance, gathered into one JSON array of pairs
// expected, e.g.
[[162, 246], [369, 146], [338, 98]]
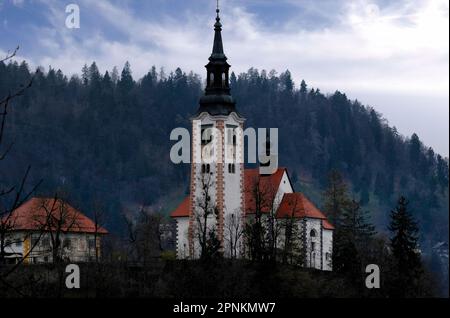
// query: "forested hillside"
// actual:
[[105, 138]]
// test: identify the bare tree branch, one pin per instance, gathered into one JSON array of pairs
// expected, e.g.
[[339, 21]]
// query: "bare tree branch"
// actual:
[[10, 55]]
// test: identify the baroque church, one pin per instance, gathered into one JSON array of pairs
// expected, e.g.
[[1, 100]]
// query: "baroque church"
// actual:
[[225, 196]]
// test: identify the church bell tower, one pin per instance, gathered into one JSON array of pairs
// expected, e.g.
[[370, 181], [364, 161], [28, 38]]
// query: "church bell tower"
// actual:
[[217, 171]]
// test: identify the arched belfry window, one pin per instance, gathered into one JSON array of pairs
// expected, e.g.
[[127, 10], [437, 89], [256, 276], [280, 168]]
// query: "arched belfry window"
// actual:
[[211, 79], [312, 233], [224, 80]]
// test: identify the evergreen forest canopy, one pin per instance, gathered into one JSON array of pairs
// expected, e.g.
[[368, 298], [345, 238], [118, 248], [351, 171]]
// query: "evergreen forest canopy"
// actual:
[[105, 138]]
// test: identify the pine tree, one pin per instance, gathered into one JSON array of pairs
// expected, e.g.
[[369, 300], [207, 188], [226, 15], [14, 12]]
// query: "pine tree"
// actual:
[[417, 156], [94, 74], [126, 82], [376, 128], [415, 146], [336, 197], [85, 74], [115, 75], [107, 80], [407, 267], [303, 91], [233, 80], [352, 242], [95, 85], [286, 79], [356, 222], [442, 171]]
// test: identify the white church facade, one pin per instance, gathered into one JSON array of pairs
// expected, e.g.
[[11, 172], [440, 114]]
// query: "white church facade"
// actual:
[[224, 196]]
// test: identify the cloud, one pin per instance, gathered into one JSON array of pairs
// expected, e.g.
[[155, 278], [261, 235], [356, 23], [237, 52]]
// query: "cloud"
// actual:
[[389, 49], [18, 3], [401, 47], [362, 47]]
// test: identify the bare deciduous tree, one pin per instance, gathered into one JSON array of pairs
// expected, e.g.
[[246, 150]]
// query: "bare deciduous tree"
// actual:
[[293, 251], [234, 231], [261, 232], [99, 218], [144, 235], [204, 209], [14, 196], [58, 220]]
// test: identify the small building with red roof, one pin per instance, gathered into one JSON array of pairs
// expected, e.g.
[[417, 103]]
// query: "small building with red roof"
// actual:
[[42, 228]]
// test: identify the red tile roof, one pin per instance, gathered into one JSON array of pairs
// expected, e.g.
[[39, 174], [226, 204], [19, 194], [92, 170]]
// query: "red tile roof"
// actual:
[[33, 215], [182, 209], [327, 225], [296, 203], [268, 187], [268, 184]]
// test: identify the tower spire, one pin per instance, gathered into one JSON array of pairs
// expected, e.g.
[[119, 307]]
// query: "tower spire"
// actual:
[[217, 99], [218, 45]]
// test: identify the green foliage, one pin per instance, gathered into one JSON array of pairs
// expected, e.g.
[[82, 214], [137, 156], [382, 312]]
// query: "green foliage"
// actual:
[[407, 263], [292, 248], [353, 232], [336, 197], [352, 242], [212, 247], [168, 256]]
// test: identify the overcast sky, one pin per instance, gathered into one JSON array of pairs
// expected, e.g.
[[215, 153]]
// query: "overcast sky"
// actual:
[[392, 55]]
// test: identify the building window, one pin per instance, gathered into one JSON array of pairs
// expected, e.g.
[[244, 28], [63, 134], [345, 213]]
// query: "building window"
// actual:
[[82, 244], [211, 79], [206, 168], [67, 244], [224, 79], [230, 150], [207, 149], [312, 233], [206, 134], [313, 246], [327, 256], [45, 242], [34, 241], [91, 244]]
